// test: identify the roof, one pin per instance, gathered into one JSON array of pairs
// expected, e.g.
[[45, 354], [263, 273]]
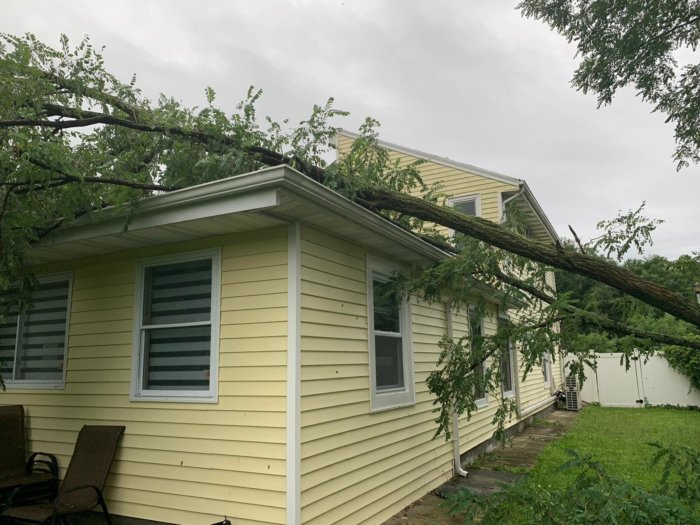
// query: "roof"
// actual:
[[525, 195], [266, 198]]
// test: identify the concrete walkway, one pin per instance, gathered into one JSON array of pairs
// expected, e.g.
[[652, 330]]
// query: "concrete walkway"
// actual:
[[502, 465]]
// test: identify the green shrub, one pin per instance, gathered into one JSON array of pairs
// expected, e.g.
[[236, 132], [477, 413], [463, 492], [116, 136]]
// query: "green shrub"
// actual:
[[594, 497]]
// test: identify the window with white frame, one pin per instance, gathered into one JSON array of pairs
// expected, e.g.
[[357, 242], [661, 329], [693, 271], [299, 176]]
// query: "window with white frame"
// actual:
[[507, 364], [476, 327], [391, 360], [177, 327], [547, 370], [33, 342], [468, 204]]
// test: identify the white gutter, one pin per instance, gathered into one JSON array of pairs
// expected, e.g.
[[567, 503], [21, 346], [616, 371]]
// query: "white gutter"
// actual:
[[457, 457], [503, 204], [444, 161]]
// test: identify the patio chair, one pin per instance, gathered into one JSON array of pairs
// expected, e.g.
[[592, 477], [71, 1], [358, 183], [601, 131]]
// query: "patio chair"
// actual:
[[38, 474], [81, 489]]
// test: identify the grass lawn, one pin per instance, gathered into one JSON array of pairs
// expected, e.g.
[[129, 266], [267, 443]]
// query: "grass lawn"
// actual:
[[617, 438]]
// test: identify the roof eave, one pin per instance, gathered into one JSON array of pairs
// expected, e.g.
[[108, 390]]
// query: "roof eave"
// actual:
[[250, 192]]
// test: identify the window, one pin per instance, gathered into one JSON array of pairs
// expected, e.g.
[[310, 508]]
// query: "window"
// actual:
[[547, 370], [391, 362], [177, 328], [469, 205], [33, 344], [477, 340], [507, 361]]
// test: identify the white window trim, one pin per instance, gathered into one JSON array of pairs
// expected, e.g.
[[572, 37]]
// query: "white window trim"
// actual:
[[476, 197], [41, 384], [513, 364], [482, 401], [185, 396], [400, 397]]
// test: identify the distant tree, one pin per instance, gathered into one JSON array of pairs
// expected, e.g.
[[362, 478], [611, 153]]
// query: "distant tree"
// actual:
[[578, 335], [645, 45]]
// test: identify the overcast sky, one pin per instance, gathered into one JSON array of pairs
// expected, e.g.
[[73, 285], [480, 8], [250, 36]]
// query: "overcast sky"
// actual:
[[470, 80]]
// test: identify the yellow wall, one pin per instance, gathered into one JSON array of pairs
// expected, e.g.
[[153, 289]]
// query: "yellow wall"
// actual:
[[189, 463], [359, 467]]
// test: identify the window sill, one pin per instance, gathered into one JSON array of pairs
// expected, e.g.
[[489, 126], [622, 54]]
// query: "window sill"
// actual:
[[174, 398], [17, 385], [385, 404]]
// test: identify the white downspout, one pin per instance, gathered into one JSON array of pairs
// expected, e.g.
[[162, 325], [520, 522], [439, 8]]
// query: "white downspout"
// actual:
[[457, 457], [459, 471]]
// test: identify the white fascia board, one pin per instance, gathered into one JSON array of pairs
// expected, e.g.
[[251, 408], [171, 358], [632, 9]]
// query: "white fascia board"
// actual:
[[249, 192], [440, 160], [174, 214]]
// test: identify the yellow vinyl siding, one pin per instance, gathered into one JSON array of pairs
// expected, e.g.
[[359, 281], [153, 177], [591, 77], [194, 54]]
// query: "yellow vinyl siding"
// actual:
[[359, 467], [180, 462]]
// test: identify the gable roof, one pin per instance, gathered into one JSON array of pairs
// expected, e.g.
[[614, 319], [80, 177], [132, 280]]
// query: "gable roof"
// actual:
[[522, 195], [266, 198]]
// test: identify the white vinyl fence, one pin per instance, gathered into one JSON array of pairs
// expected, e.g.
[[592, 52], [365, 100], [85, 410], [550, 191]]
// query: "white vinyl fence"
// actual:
[[652, 383]]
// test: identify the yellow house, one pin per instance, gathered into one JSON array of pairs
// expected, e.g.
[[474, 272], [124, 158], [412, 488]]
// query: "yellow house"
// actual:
[[234, 329]]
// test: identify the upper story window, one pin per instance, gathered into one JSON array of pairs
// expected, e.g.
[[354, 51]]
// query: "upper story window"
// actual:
[[177, 328], [33, 343], [476, 327], [391, 361], [468, 204]]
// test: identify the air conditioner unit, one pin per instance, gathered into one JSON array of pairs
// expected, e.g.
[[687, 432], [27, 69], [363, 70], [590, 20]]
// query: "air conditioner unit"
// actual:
[[573, 393]]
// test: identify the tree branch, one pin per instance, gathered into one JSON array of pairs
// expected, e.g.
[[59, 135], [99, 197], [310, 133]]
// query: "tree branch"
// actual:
[[67, 178], [578, 241], [84, 118], [558, 257]]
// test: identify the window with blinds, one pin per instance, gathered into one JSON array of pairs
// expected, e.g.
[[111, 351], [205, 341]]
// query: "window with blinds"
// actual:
[[33, 343], [177, 326]]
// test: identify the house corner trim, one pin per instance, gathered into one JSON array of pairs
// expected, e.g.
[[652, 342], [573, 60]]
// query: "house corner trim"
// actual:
[[293, 452]]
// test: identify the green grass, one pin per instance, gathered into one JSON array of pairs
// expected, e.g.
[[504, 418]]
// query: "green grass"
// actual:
[[617, 438]]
